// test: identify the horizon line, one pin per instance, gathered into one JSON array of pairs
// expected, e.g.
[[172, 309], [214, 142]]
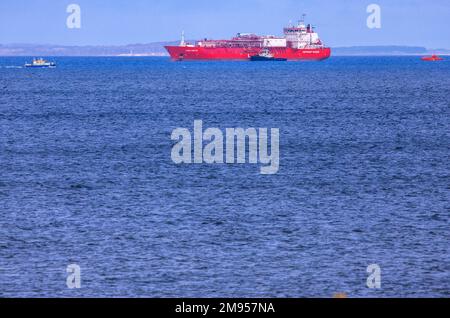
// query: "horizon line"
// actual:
[[162, 42]]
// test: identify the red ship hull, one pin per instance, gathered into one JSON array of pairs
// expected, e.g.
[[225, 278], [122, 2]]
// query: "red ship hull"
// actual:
[[227, 53]]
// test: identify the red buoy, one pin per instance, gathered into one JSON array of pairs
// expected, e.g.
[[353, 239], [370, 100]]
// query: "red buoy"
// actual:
[[432, 58]]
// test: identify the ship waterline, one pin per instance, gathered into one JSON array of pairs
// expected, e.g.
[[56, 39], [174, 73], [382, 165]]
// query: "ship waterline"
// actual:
[[224, 53]]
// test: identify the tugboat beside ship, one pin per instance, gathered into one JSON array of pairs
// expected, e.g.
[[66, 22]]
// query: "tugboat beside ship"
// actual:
[[266, 56]]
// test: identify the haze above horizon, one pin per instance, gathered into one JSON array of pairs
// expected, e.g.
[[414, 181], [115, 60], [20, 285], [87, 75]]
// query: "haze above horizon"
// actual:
[[119, 22]]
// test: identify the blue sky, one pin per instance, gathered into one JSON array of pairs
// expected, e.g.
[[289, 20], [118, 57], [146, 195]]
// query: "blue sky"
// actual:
[[339, 22]]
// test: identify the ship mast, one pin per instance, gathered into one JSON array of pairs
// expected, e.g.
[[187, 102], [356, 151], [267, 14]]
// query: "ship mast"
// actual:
[[302, 20], [183, 42]]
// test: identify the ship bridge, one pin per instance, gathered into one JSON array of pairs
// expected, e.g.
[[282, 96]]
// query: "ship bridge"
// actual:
[[302, 36]]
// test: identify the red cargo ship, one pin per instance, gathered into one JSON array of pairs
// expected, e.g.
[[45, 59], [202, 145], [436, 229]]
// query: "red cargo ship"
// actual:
[[300, 42]]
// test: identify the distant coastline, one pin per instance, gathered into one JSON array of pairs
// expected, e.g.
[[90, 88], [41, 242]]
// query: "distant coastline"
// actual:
[[157, 49]]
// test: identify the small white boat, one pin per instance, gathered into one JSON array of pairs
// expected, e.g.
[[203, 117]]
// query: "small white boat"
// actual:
[[41, 63]]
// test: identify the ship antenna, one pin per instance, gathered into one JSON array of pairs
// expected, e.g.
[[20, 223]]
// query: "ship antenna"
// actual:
[[302, 21]]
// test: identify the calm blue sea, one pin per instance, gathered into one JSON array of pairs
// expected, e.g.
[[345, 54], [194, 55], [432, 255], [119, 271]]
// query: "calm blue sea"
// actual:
[[86, 178]]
